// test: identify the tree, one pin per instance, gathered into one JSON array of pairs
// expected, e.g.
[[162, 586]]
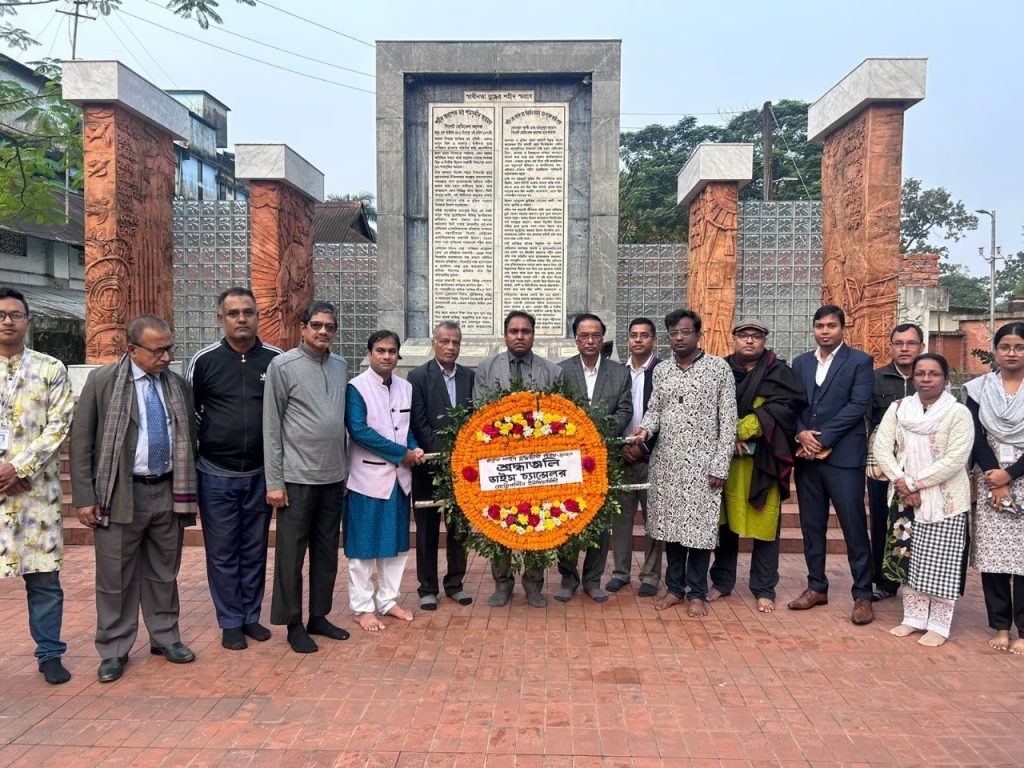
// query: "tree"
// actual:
[[1010, 279], [965, 291], [653, 156], [927, 212], [40, 134]]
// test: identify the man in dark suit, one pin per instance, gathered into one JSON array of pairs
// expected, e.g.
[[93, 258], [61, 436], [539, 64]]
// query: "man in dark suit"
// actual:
[[830, 458], [437, 385], [133, 479], [641, 363], [605, 385]]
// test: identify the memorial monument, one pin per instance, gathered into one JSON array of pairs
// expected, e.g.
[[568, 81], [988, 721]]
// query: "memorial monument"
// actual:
[[860, 119], [497, 166]]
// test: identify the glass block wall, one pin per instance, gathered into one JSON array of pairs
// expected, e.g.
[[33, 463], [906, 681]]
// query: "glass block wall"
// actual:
[[345, 274], [651, 283], [778, 270], [211, 254]]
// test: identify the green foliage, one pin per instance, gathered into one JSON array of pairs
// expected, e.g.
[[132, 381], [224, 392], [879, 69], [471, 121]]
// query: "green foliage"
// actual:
[[965, 291], [986, 356], [455, 517], [368, 199], [926, 212], [1010, 279], [653, 156], [40, 135]]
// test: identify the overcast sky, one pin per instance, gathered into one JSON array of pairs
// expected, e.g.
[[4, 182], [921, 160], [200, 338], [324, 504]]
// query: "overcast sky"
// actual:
[[678, 57]]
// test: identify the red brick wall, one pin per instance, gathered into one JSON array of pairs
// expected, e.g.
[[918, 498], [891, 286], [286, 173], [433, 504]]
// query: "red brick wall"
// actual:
[[919, 269]]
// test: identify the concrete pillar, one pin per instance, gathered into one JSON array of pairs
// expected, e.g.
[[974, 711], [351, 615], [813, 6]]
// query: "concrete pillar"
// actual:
[[709, 184], [129, 129], [283, 190], [860, 121]]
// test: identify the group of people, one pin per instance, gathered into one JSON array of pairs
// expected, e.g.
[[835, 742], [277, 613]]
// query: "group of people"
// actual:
[[709, 445]]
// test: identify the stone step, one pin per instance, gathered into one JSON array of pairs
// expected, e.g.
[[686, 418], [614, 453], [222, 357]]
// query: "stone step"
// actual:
[[791, 540]]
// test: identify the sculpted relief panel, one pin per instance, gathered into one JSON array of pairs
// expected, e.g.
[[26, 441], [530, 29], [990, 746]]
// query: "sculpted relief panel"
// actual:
[[711, 287], [281, 235], [861, 177], [129, 184]]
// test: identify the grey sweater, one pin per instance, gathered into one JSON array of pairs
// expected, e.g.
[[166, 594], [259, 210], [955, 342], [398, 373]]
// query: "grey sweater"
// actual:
[[304, 419]]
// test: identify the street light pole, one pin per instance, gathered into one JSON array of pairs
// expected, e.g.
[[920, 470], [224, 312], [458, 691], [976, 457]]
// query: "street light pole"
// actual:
[[992, 278]]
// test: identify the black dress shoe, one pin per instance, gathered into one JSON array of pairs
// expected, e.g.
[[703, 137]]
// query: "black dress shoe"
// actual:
[[176, 653], [111, 669]]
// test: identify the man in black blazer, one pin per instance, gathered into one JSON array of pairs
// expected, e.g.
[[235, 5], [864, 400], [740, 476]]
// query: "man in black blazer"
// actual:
[[605, 385], [437, 385], [830, 458]]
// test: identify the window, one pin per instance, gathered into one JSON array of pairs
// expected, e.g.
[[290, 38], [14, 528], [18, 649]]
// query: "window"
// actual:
[[13, 243]]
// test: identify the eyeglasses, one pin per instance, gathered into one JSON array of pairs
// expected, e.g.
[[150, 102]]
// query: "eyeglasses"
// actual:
[[317, 325], [589, 336], [683, 332], [159, 351], [15, 316], [905, 344], [750, 336], [1017, 349]]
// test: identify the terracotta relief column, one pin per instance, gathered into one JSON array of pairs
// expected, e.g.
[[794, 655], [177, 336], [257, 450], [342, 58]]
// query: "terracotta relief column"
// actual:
[[283, 190], [860, 121], [710, 184], [130, 127]]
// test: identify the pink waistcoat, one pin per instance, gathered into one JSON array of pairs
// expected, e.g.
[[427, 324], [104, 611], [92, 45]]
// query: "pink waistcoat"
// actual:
[[387, 414]]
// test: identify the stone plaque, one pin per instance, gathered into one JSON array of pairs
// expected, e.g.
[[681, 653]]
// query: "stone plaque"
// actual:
[[498, 215], [490, 97]]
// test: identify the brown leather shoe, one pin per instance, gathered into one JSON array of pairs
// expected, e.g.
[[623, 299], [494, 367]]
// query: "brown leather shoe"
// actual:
[[863, 613], [808, 599]]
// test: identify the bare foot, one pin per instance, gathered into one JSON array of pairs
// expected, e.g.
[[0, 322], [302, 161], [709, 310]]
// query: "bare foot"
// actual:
[[1001, 641], [399, 613], [714, 593], [667, 601], [697, 609], [369, 622], [1017, 646], [904, 630], [931, 639], [764, 604]]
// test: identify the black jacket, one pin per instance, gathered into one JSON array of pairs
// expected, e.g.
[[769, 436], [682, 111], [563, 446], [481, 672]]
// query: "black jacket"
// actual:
[[890, 386], [228, 388]]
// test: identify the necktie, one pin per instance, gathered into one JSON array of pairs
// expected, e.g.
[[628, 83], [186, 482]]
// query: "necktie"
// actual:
[[517, 370], [156, 429]]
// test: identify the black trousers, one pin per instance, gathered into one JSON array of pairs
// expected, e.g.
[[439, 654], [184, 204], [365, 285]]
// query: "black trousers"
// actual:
[[312, 520], [594, 561], [1004, 600], [686, 573], [428, 538], [878, 491], [817, 484], [764, 564]]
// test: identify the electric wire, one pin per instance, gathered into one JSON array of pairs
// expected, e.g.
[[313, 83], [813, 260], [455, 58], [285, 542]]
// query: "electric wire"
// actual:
[[243, 55], [127, 50], [146, 51], [789, 152], [315, 23]]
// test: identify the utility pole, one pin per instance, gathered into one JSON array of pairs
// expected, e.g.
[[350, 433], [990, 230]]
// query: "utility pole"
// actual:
[[76, 15], [992, 257], [766, 150]]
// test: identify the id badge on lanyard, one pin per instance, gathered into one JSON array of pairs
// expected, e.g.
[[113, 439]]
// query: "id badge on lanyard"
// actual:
[[1006, 454], [6, 430]]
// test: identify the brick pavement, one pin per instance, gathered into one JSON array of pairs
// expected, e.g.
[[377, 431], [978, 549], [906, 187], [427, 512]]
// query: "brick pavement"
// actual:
[[573, 686]]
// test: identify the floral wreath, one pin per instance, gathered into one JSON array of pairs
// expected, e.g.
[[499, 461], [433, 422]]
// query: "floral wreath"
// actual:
[[529, 526]]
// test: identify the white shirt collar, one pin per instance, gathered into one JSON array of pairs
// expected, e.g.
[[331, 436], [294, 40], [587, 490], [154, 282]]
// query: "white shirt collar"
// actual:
[[829, 357], [646, 364]]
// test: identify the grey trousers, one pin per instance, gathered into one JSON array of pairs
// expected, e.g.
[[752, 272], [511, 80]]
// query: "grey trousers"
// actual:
[[594, 561], [622, 532], [137, 565]]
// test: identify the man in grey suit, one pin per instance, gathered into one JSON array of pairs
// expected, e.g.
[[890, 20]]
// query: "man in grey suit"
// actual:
[[606, 386], [437, 385], [517, 364], [133, 479]]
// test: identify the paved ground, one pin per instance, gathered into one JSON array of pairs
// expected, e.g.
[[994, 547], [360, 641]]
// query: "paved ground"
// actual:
[[571, 686]]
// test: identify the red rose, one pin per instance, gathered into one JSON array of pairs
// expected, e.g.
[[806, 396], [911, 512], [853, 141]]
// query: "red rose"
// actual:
[[529, 417], [511, 520], [571, 506], [470, 474], [524, 507], [556, 427], [589, 464], [517, 430], [494, 512], [534, 520], [491, 430]]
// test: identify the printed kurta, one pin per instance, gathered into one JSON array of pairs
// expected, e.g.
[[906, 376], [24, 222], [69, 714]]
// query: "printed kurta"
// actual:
[[38, 413], [693, 413]]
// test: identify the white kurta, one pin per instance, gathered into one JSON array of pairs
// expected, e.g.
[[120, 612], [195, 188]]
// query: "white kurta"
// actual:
[[693, 413]]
